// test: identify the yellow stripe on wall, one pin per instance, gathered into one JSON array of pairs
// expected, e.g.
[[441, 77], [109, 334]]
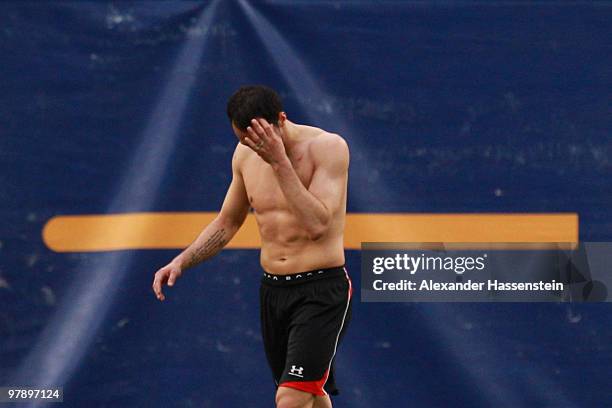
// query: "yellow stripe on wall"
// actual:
[[90, 233]]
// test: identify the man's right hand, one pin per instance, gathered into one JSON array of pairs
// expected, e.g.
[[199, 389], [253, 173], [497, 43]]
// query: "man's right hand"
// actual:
[[166, 275]]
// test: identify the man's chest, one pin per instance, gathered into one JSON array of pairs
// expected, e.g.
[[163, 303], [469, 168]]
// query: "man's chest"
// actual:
[[262, 184]]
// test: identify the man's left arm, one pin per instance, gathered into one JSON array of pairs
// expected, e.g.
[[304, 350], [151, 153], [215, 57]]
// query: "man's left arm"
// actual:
[[314, 206]]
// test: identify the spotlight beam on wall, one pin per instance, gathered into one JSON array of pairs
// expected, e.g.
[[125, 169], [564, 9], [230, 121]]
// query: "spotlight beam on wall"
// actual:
[[78, 318], [315, 101]]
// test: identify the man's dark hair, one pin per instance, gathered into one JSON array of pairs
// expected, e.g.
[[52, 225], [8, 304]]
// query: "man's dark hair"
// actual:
[[253, 101]]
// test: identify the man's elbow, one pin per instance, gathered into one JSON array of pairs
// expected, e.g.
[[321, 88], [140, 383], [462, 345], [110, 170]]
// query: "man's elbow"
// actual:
[[230, 224], [318, 231]]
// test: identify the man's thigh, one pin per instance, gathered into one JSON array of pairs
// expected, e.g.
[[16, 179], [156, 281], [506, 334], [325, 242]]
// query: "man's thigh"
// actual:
[[314, 333]]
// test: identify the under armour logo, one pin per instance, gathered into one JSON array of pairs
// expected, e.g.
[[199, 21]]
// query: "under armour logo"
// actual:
[[296, 371]]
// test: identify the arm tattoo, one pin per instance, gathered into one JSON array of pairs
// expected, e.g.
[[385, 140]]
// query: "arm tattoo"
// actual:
[[212, 245]]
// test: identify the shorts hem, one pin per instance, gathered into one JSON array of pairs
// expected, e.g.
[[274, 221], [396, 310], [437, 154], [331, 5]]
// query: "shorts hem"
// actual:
[[305, 387]]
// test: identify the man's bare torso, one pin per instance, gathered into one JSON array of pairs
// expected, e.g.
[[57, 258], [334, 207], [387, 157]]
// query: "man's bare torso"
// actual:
[[286, 247]]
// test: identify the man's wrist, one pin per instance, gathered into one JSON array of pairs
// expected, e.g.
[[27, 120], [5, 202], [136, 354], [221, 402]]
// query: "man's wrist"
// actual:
[[178, 263], [281, 164]]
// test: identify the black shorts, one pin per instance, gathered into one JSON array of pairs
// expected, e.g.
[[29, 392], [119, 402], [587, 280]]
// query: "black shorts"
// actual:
[[303, 317]]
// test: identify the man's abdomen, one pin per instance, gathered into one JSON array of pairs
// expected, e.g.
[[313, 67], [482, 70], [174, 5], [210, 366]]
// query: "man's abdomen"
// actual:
[[303, 255]]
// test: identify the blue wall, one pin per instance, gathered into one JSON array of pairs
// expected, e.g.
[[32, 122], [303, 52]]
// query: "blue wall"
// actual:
[[447, 107]]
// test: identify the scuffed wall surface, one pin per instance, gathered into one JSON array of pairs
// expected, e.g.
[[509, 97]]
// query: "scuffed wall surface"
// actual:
[[447, 107]]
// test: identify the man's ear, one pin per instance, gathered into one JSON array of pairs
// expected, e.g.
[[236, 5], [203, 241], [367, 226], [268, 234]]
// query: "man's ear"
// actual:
[[282, 117]]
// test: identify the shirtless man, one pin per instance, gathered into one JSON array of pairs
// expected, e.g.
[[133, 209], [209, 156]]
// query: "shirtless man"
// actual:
[[294, 177]]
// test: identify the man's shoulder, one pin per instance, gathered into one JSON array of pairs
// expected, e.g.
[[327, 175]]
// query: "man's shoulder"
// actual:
[[328, 143], [329, 148], [241, 152]]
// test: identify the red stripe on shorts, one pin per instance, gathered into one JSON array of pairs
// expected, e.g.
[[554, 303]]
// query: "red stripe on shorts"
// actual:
[[312, 387]]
